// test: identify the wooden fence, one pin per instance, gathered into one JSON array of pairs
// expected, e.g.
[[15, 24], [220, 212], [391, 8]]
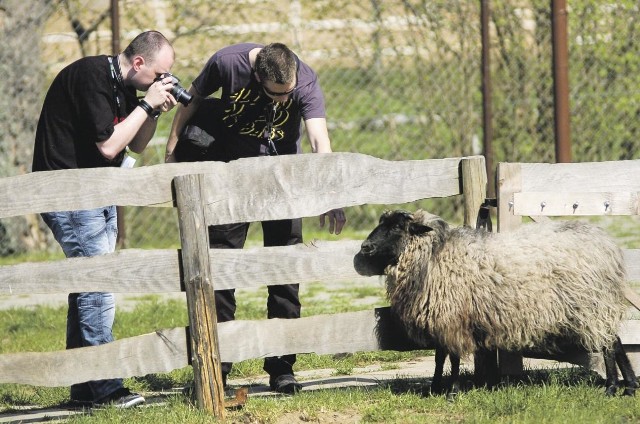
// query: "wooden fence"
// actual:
[[207, 193], [540, 190]]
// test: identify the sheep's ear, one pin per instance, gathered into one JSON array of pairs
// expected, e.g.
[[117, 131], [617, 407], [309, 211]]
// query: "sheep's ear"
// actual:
[[416, 228]]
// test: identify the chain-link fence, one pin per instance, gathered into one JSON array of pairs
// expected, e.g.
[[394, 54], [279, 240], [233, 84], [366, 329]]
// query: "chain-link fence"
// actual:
[[402, 78]]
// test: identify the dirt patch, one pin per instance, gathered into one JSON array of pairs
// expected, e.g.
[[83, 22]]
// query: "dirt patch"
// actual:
[[323, 417]]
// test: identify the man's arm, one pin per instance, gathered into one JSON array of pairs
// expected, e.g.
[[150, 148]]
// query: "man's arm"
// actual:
[[182, 116], [138, 128], [318, 135], [319, 139]]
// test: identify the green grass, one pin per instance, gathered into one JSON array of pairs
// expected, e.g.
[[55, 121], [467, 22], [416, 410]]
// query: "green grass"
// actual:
[[545, 396]]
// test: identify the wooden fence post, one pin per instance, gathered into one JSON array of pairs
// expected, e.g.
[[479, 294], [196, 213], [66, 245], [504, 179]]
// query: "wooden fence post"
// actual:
[[201, 305], [474, 188], [508, 182]]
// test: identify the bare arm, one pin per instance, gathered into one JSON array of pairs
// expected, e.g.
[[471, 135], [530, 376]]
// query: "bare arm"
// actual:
[[319, 139], [138, 128], [182, 116], [318, 135]]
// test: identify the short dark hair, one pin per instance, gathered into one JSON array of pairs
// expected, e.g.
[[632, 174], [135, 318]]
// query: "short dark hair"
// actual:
[[275, 62], [147, 45]]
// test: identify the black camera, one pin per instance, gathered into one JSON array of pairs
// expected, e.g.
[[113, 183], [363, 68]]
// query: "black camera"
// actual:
[[178, 92]]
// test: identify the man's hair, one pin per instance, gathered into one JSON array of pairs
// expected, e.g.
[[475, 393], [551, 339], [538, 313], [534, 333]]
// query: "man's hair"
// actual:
[[276, 63], [147, 45]]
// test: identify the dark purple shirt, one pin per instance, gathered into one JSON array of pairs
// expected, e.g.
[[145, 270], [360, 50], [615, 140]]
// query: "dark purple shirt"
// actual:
[[245, 103]]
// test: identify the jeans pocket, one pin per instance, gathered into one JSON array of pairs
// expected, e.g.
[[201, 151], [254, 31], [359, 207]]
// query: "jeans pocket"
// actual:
[[95, 230], [96, 313]]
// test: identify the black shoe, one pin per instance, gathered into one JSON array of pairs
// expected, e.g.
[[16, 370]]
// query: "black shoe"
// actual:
[[80, 398], [121, 399], [285, 383], [77, 404]]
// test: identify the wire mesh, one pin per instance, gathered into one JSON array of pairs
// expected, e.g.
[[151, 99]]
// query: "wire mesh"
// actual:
[[402, 78]]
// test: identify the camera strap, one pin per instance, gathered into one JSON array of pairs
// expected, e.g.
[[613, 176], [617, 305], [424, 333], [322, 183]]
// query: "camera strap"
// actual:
[[116, 78], [272, 108]]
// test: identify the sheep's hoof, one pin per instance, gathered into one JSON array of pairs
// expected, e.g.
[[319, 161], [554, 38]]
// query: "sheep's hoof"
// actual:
[[452, 394], [629, 391], [436, 389], [611, 390]]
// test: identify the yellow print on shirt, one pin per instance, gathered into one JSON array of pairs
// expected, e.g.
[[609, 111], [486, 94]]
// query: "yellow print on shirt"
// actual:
[[245, 102]]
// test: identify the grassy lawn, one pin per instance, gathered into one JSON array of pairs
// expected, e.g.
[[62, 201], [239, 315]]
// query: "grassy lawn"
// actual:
[[558, 395], [545, 396]]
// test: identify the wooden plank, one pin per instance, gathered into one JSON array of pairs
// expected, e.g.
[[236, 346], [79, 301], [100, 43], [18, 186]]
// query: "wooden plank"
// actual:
[[157, 271], [340, 179], [158, 352], [509, 181], [203, 328], [59, 190], [632, 263], [474, 188], [630, 333], [608, 176], [324, 261], [322, 334], [296, 186], [166, 350], [125, 271], [558, 203]]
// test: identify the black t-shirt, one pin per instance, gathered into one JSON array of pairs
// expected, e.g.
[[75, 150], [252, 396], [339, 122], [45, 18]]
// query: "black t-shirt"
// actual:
[[79, 111], [244, 104]]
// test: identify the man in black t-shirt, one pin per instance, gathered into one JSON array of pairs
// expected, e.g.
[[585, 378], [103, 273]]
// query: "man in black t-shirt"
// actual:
[[89, 116], [267, 92]]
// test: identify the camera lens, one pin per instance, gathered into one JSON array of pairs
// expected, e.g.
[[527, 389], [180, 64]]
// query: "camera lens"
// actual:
[[181, 95]]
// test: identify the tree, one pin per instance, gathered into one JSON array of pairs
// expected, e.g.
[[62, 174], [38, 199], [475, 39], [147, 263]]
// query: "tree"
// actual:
[[22, 70]]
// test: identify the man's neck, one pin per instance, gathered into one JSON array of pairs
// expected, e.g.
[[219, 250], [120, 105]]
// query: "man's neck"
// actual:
[[252, 56], [125, 68]]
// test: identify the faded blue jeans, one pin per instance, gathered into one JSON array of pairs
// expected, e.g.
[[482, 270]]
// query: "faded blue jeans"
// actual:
[[90, 316]]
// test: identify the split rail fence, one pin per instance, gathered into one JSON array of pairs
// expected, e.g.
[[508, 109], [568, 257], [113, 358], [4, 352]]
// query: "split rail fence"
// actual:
[[257, 189], [207, 193]]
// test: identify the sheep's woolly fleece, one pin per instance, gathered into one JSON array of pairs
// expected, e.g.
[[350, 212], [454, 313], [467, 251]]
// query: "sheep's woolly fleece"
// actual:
[[514, 290]]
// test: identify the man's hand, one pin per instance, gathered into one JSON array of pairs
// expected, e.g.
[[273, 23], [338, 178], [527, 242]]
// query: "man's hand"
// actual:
[[159, 95], [337, 219]]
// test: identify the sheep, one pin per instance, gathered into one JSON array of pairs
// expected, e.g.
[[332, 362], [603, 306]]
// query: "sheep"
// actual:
[[540, 288]]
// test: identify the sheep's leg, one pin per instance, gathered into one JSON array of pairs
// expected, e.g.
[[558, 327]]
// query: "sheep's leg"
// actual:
[[455, 376], [436, 382], [628, 375], [611, 371], [485, 368]]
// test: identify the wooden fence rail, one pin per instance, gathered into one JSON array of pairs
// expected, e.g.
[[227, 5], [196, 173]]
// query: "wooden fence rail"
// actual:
[[246, 190]]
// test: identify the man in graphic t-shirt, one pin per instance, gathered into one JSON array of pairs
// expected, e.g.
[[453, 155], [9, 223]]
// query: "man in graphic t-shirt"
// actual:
[[267, 92]]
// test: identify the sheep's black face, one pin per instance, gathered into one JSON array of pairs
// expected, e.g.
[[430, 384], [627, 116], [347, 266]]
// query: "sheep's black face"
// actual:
[[385, 243]]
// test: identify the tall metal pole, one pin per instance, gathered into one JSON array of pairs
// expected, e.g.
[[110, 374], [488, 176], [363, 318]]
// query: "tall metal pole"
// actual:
[[561, 80], [487, 114], [121, 241]]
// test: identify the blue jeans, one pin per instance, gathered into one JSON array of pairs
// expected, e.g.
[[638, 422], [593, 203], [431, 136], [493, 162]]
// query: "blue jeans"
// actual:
[[90, 316]]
